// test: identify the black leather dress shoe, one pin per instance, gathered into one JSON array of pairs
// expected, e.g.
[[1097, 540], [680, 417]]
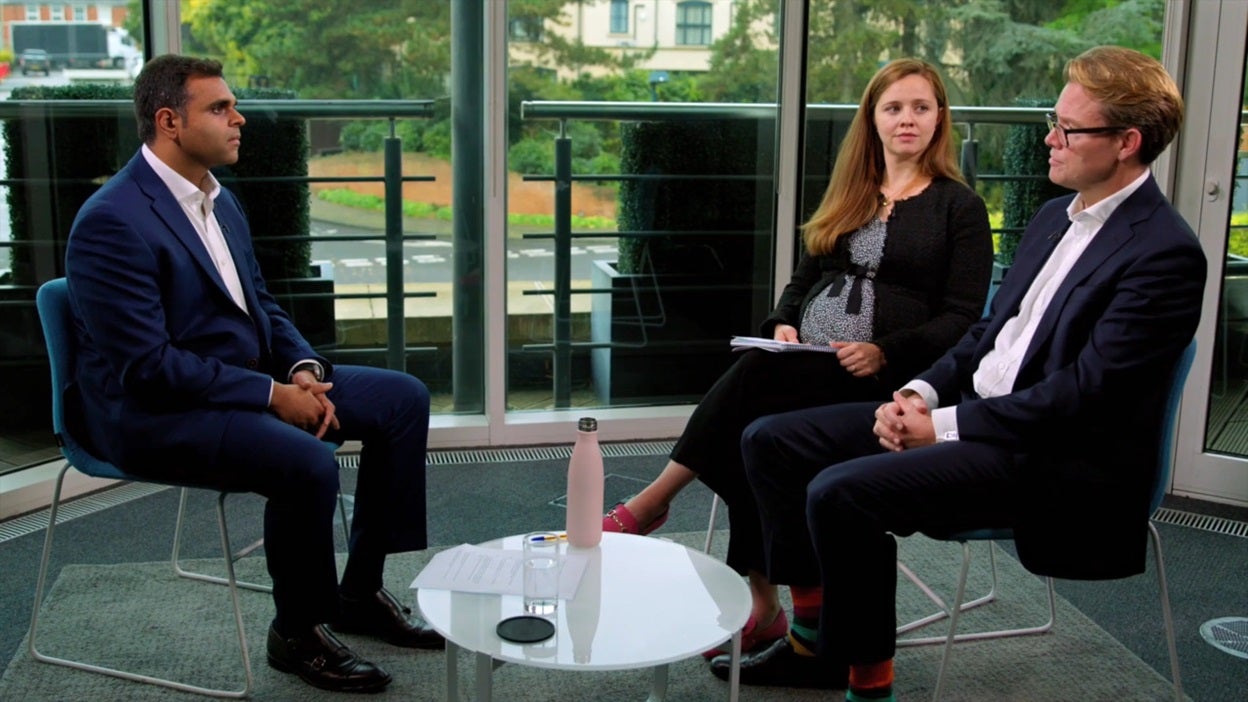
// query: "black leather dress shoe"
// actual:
[[382, 615], [779, 665], [323, 661]]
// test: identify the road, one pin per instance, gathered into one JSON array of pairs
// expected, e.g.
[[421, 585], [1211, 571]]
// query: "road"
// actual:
[[430, 261]]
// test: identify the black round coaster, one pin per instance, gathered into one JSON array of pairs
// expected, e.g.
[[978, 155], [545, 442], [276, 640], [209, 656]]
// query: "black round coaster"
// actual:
[[525, 629]]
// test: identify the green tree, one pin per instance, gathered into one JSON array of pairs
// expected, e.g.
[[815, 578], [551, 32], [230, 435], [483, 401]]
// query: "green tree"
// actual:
[[744, 62], [329, 48]]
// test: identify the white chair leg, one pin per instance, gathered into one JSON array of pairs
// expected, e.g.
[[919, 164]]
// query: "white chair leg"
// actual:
[[1166, 617], [346, 526], [43, 565], [954, 612], [986, 598], [127, 675], [230, 556], [710, 527], [943, 612]]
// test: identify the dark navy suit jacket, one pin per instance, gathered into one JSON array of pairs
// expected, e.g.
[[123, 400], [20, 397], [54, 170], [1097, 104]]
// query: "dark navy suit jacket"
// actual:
[[163, 338], [1087, 405]]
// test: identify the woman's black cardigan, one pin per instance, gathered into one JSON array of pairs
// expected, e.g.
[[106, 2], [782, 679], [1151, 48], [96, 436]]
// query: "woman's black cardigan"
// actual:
[[931, 283]]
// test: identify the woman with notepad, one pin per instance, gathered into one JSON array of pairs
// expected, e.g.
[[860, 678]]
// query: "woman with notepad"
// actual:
[[896, 267]]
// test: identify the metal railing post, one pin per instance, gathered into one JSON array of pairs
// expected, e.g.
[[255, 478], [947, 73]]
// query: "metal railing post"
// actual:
[[970, 155], [396, 327], [563, 268]]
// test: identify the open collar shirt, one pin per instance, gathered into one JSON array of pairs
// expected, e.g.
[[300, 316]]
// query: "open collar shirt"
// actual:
[[197, 202]]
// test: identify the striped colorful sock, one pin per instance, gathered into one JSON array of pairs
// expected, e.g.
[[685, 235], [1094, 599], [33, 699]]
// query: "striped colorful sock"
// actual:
[[804, 629], [871, 682]]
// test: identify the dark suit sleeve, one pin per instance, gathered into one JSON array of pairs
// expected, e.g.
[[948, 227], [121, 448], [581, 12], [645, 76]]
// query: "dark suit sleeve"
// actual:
[[115, 284]]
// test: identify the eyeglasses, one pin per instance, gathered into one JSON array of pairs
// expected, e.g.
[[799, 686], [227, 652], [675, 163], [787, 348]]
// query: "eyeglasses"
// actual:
[[1051, 119]]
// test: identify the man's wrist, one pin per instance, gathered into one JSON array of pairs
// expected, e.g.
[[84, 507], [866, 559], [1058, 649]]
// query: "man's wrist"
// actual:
[[312, 367]]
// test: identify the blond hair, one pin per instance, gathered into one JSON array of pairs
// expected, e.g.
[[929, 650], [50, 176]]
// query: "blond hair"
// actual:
[[851, 199], [1133, 90]]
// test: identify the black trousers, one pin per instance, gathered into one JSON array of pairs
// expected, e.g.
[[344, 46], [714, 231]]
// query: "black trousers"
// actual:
[[758, 384], [831, 499]]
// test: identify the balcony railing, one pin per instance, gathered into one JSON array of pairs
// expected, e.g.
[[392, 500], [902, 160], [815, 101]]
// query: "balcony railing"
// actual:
[[392, 178], [968, 119]]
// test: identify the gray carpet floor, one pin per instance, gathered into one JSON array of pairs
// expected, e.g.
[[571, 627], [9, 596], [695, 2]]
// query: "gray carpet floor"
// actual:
[[471, 502], [185, 630]]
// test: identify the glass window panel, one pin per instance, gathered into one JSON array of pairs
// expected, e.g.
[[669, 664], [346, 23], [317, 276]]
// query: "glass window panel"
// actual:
[[693, 23], [51, 163], [1227, 417], [619, 16], [1000, 59], [373, 276], [627, 292]]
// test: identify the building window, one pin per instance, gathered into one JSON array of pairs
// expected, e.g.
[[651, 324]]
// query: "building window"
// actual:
[[32, 13], [77, 13], [525, 28], [619, 16], [693, 24], [56, 12]]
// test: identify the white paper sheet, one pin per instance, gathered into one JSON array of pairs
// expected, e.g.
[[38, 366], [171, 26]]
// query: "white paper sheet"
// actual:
[[469, 568]]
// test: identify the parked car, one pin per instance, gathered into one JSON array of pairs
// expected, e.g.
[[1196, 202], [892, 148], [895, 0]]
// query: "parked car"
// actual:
[[34, 60]]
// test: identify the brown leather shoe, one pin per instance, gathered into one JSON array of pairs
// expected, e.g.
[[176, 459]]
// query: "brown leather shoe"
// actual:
[[382, 616], [323, 661]]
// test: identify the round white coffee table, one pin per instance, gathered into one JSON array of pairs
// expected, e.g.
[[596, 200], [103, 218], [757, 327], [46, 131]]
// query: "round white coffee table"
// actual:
[[643, 602]]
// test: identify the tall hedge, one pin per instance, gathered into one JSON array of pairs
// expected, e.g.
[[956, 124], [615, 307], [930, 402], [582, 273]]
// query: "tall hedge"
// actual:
[[701, 148], [1025, 155], [67, 159]]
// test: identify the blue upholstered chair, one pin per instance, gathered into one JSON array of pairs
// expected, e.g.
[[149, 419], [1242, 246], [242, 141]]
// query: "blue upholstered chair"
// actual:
[[1165, 465], [56, 318]]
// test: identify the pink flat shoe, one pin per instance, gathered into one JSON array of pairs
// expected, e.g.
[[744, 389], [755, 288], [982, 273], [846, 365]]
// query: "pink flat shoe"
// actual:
[[621, 521], [754, 640]]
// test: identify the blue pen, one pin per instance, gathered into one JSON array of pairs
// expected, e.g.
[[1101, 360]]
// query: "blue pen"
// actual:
[[549, 538]]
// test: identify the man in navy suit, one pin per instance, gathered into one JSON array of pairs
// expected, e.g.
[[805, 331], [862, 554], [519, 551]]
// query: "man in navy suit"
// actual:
[[189, 371], [1043, 418]]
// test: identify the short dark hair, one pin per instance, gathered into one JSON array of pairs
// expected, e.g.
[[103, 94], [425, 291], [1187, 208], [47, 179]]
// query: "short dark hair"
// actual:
[[162, 83]]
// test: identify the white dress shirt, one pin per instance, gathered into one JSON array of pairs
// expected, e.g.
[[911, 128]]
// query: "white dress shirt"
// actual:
[[197, 202], [198, 205]]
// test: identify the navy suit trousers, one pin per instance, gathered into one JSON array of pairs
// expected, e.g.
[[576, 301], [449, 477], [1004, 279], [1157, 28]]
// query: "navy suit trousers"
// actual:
[[831, 499], [257, 452]]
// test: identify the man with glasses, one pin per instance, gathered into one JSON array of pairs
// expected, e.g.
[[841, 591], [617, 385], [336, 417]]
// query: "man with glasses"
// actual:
[[1050, 118], [1043, 418]]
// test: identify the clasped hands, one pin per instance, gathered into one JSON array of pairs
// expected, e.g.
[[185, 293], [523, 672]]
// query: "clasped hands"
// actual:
[[304, 404], [904, 423]]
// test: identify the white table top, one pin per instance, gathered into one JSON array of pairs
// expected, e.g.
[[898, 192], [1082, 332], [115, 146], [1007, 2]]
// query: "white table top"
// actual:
[[642, 602]]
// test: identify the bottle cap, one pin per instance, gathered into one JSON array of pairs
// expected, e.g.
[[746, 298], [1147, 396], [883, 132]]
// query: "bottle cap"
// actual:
[[587, 424]]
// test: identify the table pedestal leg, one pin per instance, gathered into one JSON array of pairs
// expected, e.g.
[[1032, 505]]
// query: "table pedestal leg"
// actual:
[[452, 672], [485, 675], [658, 687], [734, 676]]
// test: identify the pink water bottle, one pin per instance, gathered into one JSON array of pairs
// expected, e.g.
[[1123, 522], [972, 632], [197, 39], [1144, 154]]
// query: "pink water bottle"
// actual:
[[585, 487]]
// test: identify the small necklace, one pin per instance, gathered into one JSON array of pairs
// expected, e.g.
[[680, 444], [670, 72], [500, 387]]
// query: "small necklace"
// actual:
[[885, 200]]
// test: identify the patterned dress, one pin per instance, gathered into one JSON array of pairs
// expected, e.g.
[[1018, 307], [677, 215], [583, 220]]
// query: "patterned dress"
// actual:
[[846, 311]]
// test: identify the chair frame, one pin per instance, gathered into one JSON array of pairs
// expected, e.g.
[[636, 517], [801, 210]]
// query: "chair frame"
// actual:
[[230, 581], [52, 301], [235, 556], [1165, 465]]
